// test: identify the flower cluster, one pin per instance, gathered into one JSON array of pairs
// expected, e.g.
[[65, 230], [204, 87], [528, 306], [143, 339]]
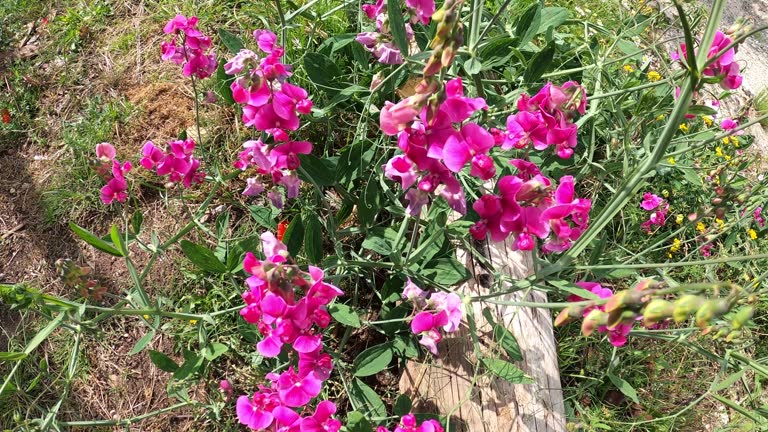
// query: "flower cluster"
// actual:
[[113, 172], [528, 206], [408, 423], [545, 120], [380, 42], [724, 66], [437, 144], [658, 208], [440, 310], [177, 162], [272, 105], [617, 334], [757, 214], [192, 50], [272, 304]]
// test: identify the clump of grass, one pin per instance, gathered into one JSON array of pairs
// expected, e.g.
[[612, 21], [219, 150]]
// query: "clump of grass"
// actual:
[[75, 188]]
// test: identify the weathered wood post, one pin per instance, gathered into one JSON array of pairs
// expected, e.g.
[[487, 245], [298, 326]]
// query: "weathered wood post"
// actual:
[[474, 402]]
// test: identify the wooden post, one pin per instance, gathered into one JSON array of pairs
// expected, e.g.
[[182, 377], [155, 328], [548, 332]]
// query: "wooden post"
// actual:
[[475, 400]]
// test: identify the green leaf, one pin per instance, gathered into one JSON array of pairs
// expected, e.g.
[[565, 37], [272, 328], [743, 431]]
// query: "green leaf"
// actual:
[[571, 288], [528, 25], [356, 422], [263, 216], [117, 240], [552, 17], [162, 361], [94, 240], [142, 343], [473, 66], [727, 381], [191, 364], [321, 172], [397, 26], [344, 314], [313, 239], [136, 221], [202, 257], [223, 84], [214, 350], [230, 40], [365, 397], [701, 110], [539, 64], [504, 337], [44, 333], [321, 70], [377, 242], [373, 360], [624, 387], [11, 356], [294, 235], [507, 371], [403, 405], [446, 271]]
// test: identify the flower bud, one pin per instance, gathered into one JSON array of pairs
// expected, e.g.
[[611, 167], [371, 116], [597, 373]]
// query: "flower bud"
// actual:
[[742, 316], [657, 310], [568, 314], [592, 321], [685, 306], [618, 317], [733, 336]]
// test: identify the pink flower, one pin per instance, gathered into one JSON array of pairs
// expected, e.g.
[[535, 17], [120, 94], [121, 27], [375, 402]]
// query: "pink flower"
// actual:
[[193, 53], [114, 190], [105, 152], [396, 117], [524, 129], [295, 391], [321, 420], [617, 336], [413, 292], [265, 39], [255, 413], [650, 201]]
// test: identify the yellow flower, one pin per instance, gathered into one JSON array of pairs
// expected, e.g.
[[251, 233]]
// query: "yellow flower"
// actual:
[[746, 277], [752, 234], [683, 127], [676, 244], [679, 219], [671, 160], [720, 223], [726, 140], [719, 152], [735, 141], [193, 321], [707, 120], [665, 193], [660, 117], [628, 68], [146, 317], [653, 76], [728, 157], [700, 227]]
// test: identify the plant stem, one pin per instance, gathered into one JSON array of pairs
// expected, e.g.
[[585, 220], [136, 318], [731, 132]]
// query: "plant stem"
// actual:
[[125, 422]]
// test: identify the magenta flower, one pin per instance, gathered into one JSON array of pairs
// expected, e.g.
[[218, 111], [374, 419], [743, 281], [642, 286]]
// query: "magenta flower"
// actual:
[[105, 152], [193, 51], [650, 201], [724, 66], [256, 413], [524, 129], [617, 335], [460, 148], [114, 190], [296, 391], [321, 420]]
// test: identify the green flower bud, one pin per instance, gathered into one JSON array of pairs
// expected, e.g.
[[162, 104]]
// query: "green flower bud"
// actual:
[[686, 305], [657, 310], [594, 319], [742, 316]]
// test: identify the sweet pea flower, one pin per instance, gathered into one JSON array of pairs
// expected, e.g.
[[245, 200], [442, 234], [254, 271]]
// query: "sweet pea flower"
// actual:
[[256, 412], [296, 391], [650, 201], [193, 51], [617, 335], [321, 420]]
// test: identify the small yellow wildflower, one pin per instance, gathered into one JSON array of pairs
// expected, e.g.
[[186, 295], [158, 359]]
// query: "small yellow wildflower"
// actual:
[[660, 117], [671, 160], [728, 157], [683, 127], [720, 223], [719, 152], [628, 68], [746, 277], [752, 234], [665, 193], [146, 317], [700, 227], [676, 244], [726, 140], [735, 141], [679, 219], [193, 321], [653, 76], [707, 120]]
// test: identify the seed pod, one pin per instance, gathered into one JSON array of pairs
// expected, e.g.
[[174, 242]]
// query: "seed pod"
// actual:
[[685, 306], [619, 317], [705, 313], [733, 336], [657, 310]]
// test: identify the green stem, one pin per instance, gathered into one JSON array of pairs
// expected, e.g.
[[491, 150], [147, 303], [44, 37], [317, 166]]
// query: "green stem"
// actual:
[[672, 264], [125, 422]]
